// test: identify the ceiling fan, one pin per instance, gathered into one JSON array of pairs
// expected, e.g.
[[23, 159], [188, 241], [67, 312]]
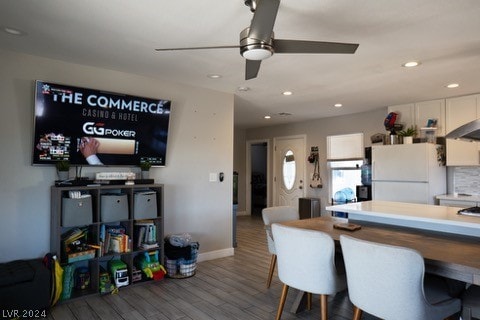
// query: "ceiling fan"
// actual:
[[257, 41]]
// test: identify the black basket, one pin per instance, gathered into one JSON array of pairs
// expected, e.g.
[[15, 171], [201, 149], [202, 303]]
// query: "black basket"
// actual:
[[183, 268]]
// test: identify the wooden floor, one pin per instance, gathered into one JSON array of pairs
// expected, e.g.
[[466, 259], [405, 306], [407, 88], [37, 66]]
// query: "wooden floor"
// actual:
[[227, 288]]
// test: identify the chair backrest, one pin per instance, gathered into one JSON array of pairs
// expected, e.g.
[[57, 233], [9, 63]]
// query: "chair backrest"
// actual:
[[385, 280], [305, 260], [272, 215]]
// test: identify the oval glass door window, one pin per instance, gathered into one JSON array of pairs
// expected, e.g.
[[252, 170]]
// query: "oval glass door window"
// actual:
[[289, 170]]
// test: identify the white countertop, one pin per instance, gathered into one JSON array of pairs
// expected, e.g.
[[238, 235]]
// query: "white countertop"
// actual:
[[420, 216], [459, 197]]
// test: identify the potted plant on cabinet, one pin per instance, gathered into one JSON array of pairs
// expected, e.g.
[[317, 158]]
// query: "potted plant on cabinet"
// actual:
[[145, 168], [63, 167], [408, 134]]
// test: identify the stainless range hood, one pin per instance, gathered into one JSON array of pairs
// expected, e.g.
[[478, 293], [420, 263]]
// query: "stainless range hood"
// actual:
[[469, 132]]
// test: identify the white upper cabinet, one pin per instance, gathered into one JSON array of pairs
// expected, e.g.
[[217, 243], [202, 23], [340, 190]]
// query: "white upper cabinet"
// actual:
[[434, 109], [460, 111], [450, 114], [417, 114]]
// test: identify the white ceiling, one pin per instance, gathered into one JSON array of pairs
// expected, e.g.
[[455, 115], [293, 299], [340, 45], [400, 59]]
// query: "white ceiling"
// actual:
[[122, 35]]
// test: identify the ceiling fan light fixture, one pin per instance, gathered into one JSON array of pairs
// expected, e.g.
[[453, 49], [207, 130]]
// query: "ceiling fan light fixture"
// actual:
[[257, 52], [253, 49]]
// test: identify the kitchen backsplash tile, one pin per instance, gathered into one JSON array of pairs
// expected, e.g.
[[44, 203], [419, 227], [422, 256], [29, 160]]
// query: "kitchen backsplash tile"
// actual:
[[467, 180]]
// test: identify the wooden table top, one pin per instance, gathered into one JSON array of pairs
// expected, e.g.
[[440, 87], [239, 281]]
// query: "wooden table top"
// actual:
[[452, 256]]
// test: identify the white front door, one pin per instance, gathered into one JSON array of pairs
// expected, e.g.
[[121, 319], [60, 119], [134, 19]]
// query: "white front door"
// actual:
[[289, 170]]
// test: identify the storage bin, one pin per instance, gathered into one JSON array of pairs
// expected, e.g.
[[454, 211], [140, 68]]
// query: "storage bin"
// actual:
[[145, 205], [171, 267], [428, 135], [77, 211], [188, 270], [113, 207], [183, 268]]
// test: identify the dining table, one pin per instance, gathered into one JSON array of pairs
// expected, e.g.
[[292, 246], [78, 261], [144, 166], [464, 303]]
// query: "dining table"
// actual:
[[453, 256], [448, 255]]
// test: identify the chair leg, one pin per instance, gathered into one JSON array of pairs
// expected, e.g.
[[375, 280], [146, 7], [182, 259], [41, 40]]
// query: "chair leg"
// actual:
[[357, 313], [283, 297], [309, 301], [324, 306], [273, 262]]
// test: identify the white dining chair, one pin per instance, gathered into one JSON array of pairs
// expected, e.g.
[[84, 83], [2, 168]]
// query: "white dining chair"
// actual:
[[388, 282], [272, 215], [471, 303], [306, 261]]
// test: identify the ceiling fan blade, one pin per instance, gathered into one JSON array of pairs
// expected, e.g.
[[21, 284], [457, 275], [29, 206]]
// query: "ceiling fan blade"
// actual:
[[251, 68], [263, 20], [301, 46], [197, 48]]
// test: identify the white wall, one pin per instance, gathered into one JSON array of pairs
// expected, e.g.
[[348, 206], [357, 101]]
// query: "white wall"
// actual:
[[316, 132], [239, 165], [200, 142]]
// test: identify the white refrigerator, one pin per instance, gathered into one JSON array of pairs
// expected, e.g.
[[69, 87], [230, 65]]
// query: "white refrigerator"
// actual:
[[412, 173]]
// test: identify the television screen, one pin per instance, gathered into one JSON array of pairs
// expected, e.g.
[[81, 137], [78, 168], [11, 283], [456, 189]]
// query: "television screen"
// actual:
[[86, 126]]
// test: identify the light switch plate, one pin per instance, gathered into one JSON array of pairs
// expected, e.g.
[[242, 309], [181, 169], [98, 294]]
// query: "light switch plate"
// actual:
[[213, 177]]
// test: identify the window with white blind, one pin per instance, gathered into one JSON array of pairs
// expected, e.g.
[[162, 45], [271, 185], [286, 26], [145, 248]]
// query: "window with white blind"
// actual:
[[345, 147], [345, 155]]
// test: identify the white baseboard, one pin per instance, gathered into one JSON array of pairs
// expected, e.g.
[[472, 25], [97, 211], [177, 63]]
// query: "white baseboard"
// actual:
[[211, 255], [242, 213]]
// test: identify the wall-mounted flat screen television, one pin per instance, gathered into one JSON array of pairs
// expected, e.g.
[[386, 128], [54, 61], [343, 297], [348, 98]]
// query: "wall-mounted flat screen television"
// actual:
[[87, 126]]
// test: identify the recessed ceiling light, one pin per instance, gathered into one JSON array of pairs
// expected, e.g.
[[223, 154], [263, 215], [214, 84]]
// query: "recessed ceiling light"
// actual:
[[338, 105], [243, 88], [410, 64], [453, 85], [13, 31], [287, 93], [267, 117], [214, 76]]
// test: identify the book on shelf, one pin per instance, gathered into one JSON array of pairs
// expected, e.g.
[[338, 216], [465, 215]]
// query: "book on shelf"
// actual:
[[144, 222], [113, 239], [75, 240], [146, 234], [147, 246]]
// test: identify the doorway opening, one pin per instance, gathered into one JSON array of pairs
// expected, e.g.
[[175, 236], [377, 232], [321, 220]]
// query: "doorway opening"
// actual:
[[257, 176]]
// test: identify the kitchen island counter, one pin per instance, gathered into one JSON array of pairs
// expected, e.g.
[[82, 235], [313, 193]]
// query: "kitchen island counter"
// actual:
[[459, 197], [412, 215]]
